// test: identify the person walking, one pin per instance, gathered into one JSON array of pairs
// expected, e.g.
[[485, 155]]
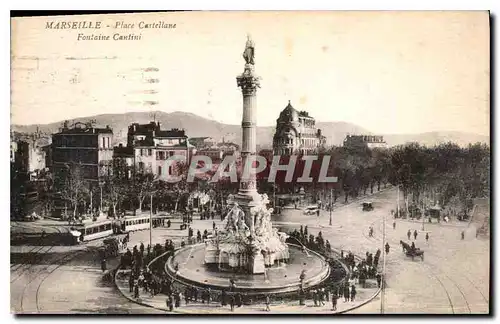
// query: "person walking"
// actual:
[[317, 212], [334, 301], [409, 234], [427, 237], [103, 265], [321, 297], [394, 225], [353, 293], [387, 247], [463, 235], [131, 283], [315, 298], [415, 234], [346, 293], [379, 279], [136, 291], [231, 302], [268, 302]]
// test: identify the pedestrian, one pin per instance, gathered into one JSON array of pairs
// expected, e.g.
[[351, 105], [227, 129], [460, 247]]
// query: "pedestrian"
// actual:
[[317, 212], [394, 225], [223, 297], [136, 291], [169, 223], [187, 295], [379, 279], [353, 293], [334, 301], [268, 302], [463, 235], [177, 298], [415, 234], [213, 225], [346, 293], [231, 302], [238, 300], [408, 234], [103, 265], [170, 303], [315, 298], [321, 295], [131, 283], [387, 247], [427, 237]]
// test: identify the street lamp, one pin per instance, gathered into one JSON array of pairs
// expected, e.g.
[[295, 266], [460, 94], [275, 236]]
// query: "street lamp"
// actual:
[[382, 297], [331, 205]]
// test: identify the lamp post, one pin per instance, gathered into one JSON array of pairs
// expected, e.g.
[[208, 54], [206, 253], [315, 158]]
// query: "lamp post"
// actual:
[[151, 220], [331, 205], [382, 297], [101, 184]]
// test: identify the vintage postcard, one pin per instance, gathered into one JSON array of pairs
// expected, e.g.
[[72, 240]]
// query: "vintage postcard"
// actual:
[[251, 163]]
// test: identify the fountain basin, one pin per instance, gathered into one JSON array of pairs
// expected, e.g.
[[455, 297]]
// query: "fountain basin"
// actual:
[[279, 278]]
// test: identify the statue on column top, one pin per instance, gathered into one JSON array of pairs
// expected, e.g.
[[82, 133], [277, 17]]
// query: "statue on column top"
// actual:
[[249, 52]]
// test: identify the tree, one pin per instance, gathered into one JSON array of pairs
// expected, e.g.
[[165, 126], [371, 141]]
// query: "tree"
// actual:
[[75, 189], [117, 189], [143, 186]]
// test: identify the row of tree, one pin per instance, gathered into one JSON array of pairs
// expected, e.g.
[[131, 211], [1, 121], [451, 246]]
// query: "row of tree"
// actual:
[[446, 174]]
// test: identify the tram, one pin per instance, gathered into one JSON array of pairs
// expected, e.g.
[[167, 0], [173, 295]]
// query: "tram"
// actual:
[[138, 223], [134, 223], [93, 231]]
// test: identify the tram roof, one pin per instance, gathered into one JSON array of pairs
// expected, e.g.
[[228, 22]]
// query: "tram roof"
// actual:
[[96, 223]]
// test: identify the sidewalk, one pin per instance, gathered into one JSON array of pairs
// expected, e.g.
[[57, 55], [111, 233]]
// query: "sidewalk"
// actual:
[[364, 296]]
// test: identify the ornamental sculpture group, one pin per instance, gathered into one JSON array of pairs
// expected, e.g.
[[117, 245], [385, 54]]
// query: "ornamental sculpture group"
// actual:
[[237, 248], [248, 242]]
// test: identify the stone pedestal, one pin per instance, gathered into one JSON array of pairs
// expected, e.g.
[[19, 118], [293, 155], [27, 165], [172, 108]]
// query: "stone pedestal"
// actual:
[[256, 265]]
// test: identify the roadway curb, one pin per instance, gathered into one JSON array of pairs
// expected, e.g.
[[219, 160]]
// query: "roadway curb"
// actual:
[[179, 312]]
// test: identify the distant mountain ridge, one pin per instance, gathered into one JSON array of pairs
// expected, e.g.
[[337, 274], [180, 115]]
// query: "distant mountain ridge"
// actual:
[[197, 126]]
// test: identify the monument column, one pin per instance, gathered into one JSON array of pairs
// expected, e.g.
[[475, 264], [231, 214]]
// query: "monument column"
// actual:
[[248, 195]]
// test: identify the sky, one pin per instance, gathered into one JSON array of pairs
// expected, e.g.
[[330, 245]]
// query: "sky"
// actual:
[[389, 72]]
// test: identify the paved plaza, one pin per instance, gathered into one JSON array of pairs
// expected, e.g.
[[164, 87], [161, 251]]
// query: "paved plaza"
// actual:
[[452, 279]]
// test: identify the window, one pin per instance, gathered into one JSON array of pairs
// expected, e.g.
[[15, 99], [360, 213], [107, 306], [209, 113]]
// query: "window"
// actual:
[[141, 166], [159, 170], [150, 152], [103, 142]]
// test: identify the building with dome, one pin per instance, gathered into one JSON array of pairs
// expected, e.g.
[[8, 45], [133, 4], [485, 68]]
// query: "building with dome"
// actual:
[[296, 133]]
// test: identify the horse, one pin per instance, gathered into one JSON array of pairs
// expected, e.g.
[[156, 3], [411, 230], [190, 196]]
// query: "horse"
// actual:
[[406, 246]]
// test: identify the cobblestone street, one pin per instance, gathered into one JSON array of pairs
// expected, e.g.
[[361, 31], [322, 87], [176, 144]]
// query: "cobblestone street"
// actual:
[[452, 279]]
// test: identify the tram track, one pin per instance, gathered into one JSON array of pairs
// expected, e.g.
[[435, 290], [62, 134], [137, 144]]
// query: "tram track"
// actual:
[[63, 261], [28, 265], [441, 277]]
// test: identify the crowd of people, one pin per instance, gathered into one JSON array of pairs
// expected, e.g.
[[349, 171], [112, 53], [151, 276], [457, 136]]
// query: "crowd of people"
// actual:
[[144, 279]]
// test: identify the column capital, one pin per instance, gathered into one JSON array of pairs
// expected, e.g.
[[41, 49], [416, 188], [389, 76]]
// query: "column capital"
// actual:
[[248, 82]]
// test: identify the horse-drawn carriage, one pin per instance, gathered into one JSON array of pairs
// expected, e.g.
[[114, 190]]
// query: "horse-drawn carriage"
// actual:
[[114, 245], [367, 206], [412, 251]]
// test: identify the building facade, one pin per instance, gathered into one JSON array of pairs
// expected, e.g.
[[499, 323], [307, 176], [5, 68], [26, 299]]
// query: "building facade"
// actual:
[[89, 147], [296, 133], [370, 141], [149, 147]]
